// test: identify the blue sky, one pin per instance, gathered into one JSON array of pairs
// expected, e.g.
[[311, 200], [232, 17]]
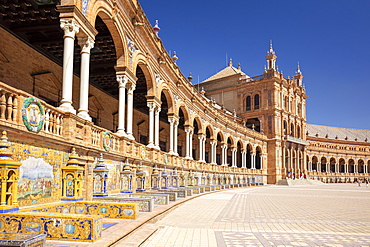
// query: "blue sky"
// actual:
[[330, 39]]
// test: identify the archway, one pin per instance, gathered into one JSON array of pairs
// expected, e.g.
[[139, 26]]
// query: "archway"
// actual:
[[314, 163], [181, 140], [249, 156], [351, 166], [342, 164], [208, 147], [218, 149], [239, 159], [332, 165], [196, 133], [141, 116], [323, 165], [258, 158]]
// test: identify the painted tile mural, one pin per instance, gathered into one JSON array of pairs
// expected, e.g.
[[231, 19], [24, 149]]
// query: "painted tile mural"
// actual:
[[114, 168], [40, 173]]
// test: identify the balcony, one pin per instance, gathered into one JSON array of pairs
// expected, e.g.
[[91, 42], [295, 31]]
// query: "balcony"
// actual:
[[296, 140]]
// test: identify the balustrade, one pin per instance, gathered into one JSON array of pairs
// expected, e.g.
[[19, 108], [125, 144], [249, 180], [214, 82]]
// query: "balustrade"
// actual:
[[55, 121]]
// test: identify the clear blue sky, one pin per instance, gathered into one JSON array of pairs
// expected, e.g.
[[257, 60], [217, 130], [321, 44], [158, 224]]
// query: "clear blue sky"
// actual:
[[330, 39]]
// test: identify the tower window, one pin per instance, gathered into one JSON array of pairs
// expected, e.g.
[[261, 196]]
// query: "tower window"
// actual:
[[248, 103], [256, 101]]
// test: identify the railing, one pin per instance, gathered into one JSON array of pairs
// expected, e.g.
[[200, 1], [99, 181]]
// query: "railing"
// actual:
[[11, 101]]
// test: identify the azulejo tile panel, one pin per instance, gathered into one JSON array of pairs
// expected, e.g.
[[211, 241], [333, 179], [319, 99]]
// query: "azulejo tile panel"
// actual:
[[71, 227], [40, 173], [105, 209], [144, 204]]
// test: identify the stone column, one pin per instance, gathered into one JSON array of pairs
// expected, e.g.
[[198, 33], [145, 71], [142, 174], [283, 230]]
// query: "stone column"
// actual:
[[175, 130], [122, 81], [86, 45], [309, 166], [336, 168], [151, 106], [130, 101], [188, 131], [70, 29], [156, 131], [318, 166], [171, 120], [202, 139], [244, 159], [224, 154], [213, 151], [253, 161], [261, 161], [233, 157]]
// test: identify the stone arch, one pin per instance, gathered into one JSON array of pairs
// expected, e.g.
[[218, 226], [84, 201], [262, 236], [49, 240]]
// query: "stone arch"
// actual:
[[169, 97], [209, 138], [323, 161], [361, 166], [351, 166], [342, 164], [104, 11], [182, 107], [208, 127], [229, 152], [315, 161], [332, 162], [149, 79], [239, 149], [249, 152]]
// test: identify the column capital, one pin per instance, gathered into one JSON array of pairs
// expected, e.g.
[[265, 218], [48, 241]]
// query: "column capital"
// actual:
[[157, 110], [130, 88], [86, 44], [122, 81], [70, 28]]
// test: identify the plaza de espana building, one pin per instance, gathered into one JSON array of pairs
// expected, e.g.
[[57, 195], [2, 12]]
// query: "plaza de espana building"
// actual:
[[93, 104]]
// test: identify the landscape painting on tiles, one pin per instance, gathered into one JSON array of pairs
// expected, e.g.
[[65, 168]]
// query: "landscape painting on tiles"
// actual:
[[40, 173]]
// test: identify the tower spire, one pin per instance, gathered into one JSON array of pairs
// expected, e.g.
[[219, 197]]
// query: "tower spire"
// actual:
[[271, 58], [298, 76]]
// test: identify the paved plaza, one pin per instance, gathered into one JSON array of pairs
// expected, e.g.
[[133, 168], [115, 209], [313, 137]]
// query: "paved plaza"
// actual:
[[325, 215]]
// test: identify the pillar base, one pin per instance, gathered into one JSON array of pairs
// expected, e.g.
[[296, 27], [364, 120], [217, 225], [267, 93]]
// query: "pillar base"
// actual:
[[67, 107], [130, 136], [189, 158], [171, 153], [121, 133], [151, 145], [84, 115]]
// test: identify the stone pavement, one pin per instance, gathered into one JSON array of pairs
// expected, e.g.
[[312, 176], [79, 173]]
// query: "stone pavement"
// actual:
[[325, 215]]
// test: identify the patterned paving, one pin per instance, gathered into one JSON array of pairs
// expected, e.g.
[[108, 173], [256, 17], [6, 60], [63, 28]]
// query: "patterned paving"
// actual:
[[335, 215]]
